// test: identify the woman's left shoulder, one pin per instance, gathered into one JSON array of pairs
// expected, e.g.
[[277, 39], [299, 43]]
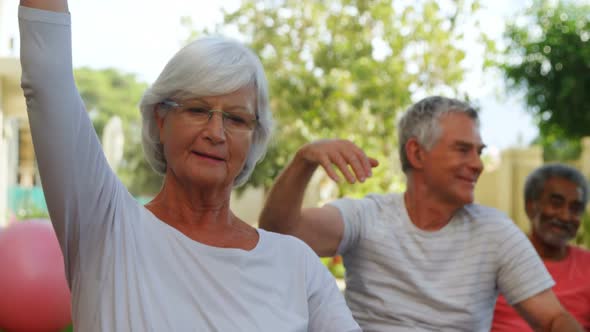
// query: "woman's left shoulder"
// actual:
[[290, 243]]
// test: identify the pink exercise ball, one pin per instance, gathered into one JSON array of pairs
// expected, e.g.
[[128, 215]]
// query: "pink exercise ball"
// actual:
[[11, 220], [34, 295]]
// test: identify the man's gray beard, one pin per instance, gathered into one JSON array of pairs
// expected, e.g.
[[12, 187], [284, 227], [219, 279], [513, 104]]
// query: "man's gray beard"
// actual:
[[558, 240]]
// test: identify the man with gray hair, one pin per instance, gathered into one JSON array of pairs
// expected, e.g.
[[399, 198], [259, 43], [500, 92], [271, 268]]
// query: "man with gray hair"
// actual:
[[555, 197], [428, 259]]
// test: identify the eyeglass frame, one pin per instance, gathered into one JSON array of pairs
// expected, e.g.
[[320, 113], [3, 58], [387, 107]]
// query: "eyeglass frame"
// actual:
[[169, 103]]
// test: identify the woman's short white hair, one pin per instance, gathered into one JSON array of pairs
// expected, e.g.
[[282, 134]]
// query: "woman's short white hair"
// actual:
[[208, 66], [421, 121]]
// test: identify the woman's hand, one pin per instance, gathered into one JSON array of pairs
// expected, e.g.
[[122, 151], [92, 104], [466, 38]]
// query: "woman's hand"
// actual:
[[52, 5]]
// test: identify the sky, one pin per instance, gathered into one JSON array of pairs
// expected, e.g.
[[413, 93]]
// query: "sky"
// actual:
[[140, 36]]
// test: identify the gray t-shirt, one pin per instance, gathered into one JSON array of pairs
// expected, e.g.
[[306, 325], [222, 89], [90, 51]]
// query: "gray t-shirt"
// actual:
[[401, 278], [130, 271]]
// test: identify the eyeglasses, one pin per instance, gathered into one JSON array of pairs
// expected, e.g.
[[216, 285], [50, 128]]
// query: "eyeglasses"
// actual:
[[198, 113]]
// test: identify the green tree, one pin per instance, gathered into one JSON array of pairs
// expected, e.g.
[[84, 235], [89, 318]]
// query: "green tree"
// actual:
[[345, 69], [583, 236], [549, 57], [107, 93]]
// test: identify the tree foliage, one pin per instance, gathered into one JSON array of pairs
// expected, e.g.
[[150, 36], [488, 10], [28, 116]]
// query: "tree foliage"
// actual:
[[549, 56], [107, 93], [346, 69]]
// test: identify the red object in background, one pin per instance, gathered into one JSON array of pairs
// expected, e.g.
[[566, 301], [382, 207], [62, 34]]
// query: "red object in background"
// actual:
[[34, 295], [337, 259]]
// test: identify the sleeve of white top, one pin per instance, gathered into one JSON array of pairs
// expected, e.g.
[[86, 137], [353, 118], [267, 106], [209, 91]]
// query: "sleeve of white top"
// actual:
[[328, 311], [353, 212], [79, 186], [521, 273]]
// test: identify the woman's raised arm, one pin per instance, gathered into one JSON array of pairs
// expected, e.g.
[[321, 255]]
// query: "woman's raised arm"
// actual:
[[81, 191]]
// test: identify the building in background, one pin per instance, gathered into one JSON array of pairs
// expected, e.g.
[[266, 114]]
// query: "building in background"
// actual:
[[17, 159]]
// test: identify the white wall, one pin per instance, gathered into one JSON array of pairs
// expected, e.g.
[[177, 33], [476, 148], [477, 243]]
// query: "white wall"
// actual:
[[8, 28]]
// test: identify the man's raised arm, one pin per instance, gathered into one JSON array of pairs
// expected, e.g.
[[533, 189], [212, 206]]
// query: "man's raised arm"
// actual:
[[321, 228]]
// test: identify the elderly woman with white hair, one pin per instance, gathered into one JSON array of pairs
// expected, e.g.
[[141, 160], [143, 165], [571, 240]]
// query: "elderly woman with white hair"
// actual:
[[183, 262]]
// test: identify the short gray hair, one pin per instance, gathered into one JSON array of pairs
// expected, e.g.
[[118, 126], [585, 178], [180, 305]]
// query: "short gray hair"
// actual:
[[535, 182], [208, 66], [421, 121]]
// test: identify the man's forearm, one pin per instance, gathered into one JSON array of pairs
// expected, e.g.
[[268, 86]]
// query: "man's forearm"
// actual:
[[283, 205], [565, 323]]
